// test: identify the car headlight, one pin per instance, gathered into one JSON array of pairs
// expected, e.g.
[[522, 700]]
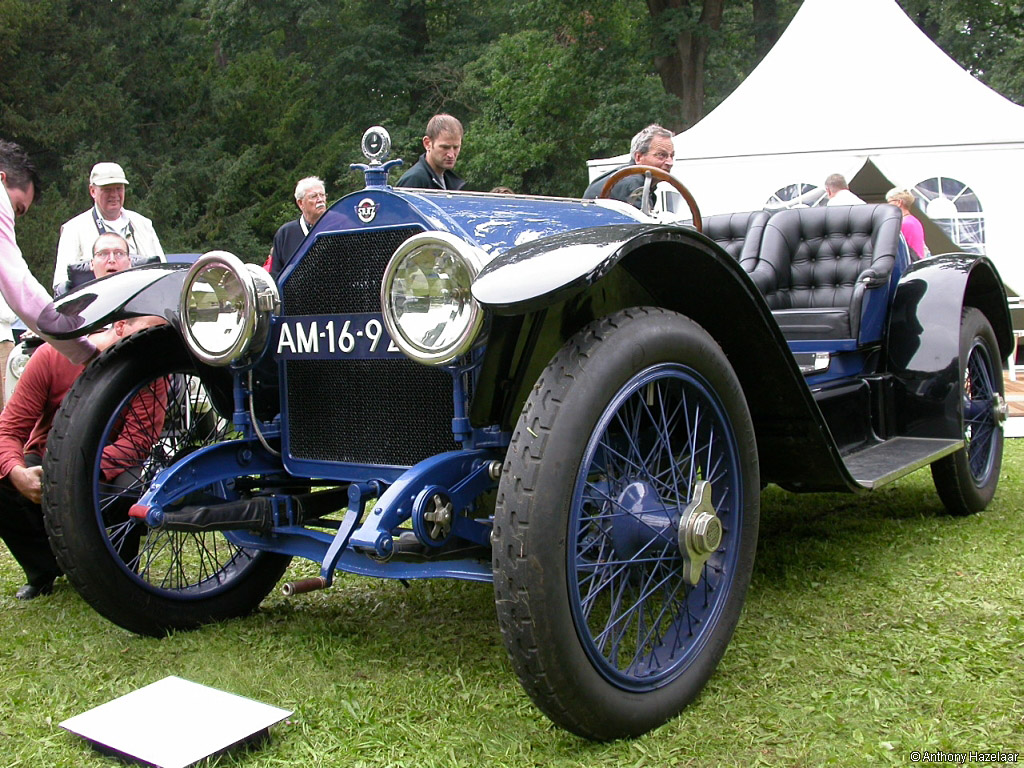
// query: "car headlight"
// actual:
[[226, 306], [18, 360], [426, 297]]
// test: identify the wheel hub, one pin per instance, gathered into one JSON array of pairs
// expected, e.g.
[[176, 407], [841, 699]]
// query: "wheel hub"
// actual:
[[1000, 408], [700, 532], [433, 515], [439, 516], [646, 521]]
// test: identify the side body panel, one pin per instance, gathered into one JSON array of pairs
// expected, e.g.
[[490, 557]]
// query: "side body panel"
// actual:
[[672, 267]]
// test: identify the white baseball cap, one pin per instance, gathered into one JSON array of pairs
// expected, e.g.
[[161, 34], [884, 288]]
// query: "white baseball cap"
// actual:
[[107, 173]]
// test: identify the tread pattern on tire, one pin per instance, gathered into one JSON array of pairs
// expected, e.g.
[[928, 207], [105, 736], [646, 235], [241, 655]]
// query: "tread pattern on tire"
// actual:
[[951, 474], [516, 570], [149, 614]]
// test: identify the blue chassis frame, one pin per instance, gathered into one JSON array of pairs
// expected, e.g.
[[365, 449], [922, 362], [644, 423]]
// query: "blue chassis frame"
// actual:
[[401, 493]]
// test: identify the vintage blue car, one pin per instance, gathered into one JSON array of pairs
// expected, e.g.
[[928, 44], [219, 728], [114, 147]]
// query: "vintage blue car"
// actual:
[[567, 398]]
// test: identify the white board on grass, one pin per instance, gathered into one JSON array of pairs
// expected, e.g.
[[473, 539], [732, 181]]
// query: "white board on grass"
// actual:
[[173, 723]]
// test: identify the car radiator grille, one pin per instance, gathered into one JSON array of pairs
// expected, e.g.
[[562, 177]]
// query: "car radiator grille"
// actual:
[[393, 411]]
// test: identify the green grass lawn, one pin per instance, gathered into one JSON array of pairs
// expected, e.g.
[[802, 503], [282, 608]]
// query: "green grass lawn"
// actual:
[[875, 626]]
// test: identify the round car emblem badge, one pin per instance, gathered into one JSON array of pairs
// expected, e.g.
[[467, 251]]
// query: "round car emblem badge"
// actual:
[[366, 210]]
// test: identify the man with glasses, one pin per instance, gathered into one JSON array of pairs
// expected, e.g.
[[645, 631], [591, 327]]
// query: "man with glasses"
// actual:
[[110, 255], [652, 146], [311, 199], [107, 184]]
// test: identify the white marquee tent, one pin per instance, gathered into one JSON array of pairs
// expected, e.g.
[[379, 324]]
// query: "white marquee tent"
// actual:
[[854, 87]]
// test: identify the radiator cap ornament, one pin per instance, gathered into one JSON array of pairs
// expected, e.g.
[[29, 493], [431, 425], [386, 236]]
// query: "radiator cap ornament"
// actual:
[[376, 144]]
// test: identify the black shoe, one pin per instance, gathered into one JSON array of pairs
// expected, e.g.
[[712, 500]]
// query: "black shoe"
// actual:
[[32, 591]]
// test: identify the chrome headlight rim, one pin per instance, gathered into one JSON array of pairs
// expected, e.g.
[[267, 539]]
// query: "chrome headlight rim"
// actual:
[[260, 298], [472, 259], [17, 361]]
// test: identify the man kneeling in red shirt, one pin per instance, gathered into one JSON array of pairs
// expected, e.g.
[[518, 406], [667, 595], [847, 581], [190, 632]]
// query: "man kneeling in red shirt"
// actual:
[[24, 425]]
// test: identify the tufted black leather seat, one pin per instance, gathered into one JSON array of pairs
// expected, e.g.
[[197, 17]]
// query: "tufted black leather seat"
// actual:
[[818, 268], [738, 233]]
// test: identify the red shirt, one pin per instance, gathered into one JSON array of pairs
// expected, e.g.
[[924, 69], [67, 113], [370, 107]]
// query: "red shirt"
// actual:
[[28, 415]]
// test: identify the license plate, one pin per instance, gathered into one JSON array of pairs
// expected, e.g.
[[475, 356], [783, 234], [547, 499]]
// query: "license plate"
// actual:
[[351, 337]]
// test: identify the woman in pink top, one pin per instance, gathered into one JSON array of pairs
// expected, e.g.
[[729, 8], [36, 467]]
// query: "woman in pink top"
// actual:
[[911, 228]]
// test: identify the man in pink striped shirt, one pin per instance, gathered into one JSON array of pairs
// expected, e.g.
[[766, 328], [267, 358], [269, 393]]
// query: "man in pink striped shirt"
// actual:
[[22, 292]]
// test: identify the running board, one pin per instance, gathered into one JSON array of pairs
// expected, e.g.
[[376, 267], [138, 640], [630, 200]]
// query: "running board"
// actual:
[[882, 463]]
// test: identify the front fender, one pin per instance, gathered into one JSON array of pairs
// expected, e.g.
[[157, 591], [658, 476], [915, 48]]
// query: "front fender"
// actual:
[[546, 271], [148, 290]]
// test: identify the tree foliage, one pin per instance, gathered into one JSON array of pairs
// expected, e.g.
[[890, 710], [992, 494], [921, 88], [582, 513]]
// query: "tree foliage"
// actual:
[[216, 107]]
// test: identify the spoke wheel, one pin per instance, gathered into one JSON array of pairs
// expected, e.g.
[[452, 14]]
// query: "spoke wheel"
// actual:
[[966, 480], [626, 524], [128, 417]]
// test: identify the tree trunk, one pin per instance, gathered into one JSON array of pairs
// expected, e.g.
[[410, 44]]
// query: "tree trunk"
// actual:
[[766, 26], [680, 55]]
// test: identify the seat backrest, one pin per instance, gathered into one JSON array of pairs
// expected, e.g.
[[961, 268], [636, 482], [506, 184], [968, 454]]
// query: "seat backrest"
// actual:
[[814, 257], [738, 233], [81, 273]]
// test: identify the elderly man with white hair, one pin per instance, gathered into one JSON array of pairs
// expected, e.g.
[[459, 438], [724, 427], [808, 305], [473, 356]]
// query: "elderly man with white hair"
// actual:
[[311, 199], [652, 146], [107, 184]]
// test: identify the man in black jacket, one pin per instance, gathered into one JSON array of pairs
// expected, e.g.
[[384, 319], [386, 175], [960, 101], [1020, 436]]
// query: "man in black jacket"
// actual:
[[435, 168], [311, 199], [652, 146]]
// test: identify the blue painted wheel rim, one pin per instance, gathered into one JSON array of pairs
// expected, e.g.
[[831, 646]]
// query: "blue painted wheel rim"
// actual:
[[173, 564], [639, 623], [981, 420]]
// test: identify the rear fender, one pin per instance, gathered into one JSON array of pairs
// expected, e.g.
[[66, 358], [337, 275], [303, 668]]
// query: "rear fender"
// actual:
[[148, 290], [923, 338]]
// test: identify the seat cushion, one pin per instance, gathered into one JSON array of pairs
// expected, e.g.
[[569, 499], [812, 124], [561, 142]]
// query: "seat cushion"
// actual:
[[814, 324], [813, 262]]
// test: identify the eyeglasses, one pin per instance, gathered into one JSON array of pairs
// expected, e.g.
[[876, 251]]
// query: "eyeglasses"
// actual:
[[316, 195], [661, 155], [110, 254]]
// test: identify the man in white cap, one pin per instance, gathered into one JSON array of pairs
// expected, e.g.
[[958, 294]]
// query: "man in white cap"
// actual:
[[108, 214]]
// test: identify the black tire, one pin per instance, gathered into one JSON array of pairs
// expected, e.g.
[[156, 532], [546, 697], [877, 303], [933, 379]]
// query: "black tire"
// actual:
[[147, 581], [604, 632], [966, 480]]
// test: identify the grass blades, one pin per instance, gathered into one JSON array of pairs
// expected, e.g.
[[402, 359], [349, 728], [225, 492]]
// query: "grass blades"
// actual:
[[875, 626]]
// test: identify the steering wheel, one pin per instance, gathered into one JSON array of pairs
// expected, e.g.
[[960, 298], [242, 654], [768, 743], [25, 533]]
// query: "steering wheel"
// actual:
[[660, 175]]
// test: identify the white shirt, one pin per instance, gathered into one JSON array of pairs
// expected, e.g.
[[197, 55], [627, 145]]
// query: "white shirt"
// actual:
[[78, 235], [844, 197]]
